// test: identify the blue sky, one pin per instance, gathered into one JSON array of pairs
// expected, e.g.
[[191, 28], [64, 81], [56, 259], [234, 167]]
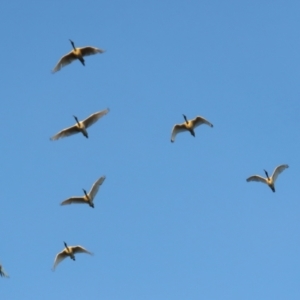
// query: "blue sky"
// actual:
[[171, 221]]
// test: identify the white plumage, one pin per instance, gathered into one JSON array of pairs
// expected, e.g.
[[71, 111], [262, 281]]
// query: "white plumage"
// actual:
[[76, 53], [88, 198], [188, 125], [80, 126], [270, 181], [69, 251]]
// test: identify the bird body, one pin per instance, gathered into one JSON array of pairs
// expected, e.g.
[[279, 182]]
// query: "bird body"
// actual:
[[88, 198], [270, 181], [76, 53], [69, 251], [188, 125], [80, 126]]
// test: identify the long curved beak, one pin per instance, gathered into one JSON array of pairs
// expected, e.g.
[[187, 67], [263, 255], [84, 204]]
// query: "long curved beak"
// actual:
[[76, 119], [72, 43], [185, 118]]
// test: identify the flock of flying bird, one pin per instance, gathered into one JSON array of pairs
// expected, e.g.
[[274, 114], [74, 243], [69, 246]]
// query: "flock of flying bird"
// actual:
[[81, 126]]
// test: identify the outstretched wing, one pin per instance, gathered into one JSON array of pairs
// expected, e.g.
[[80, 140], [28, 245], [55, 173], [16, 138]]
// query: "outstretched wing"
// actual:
[[278, 170], [257, 178], [177, 129], [95, 187], [80, 249], [64, 61], [94, 118], [73, 200], [59, 257], [85, 51], [65, 132], [199, 121]]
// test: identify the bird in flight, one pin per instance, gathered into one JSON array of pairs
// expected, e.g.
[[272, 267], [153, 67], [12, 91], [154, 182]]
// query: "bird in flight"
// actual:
[[188, 125], [69, 251], [76, 53], [80, 126], [87, 198], [2, 272], [270, 181]]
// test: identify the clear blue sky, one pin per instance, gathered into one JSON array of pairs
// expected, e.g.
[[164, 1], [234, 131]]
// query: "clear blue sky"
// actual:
[[171, 221]]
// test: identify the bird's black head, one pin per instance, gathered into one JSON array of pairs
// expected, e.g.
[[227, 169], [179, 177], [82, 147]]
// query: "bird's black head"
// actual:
[[76, 119], [92, 205], [185, 118], [72, 43]]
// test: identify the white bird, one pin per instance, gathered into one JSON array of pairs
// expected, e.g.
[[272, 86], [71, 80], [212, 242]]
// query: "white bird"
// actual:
[[76, 53], [188, 125], [80, 126], [69, 251], [270, 181], [2, 273], [87, 198]]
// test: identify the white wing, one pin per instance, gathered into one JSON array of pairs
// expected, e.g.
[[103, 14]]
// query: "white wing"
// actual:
[[257, 178], [177, 129], [85, 51], [80, 249], [59, 257], [94, 118], [278, 170], [75, 200], [65, 132], [64, 61], [200, 120], [95, 187]]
